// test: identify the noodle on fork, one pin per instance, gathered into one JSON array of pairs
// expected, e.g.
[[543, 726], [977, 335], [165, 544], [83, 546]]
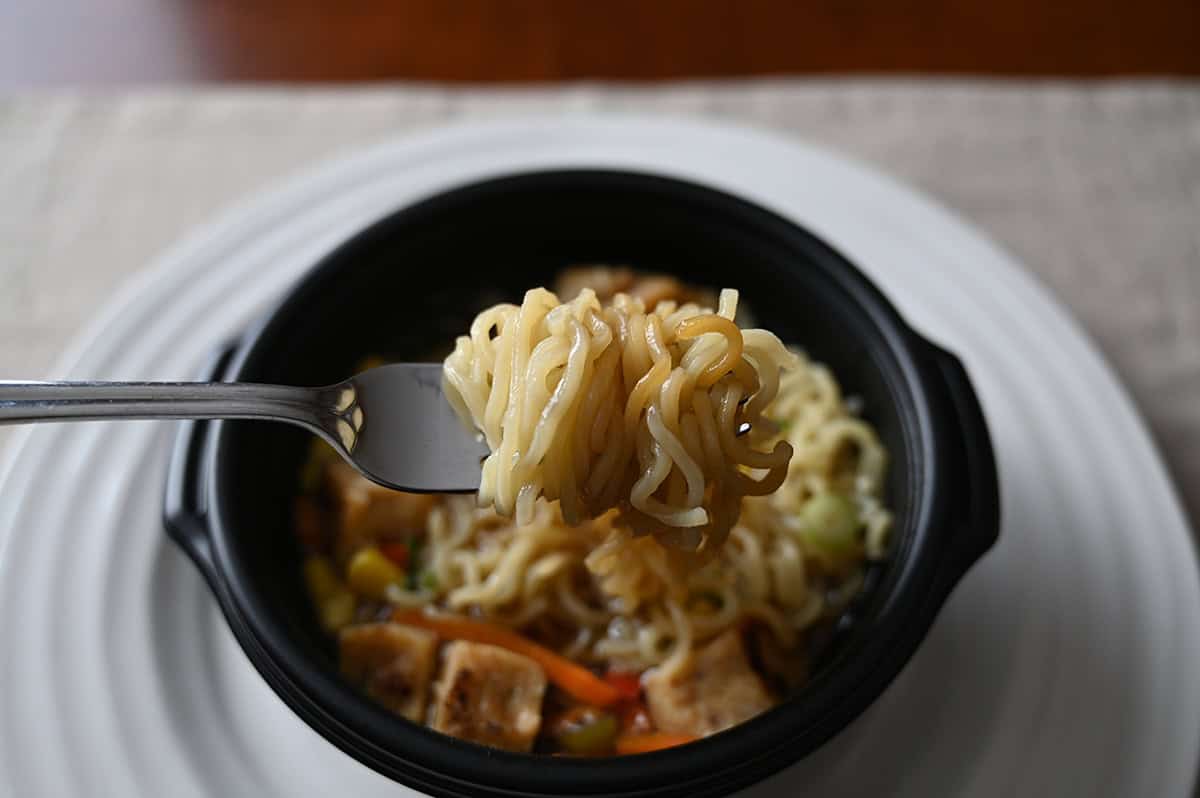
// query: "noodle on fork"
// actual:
[[603, 405]]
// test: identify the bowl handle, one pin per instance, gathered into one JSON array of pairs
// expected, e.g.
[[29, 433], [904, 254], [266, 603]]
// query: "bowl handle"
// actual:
[[185, 512], [975, 502]]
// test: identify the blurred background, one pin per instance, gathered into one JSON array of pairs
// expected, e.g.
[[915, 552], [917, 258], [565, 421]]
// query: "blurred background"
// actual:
[[121, 41]]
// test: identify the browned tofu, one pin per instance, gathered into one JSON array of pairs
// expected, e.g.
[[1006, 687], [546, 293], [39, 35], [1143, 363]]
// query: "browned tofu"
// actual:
[[392, 663], [489, 695], [653, 289], [365, 512], [606, 281], [717, 689]]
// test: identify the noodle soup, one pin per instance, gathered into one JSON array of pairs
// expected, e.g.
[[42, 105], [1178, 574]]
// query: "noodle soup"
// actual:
[[585, 638]]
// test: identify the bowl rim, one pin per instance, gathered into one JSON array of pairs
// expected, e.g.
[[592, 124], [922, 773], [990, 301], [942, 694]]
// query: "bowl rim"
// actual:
[[444, 765]]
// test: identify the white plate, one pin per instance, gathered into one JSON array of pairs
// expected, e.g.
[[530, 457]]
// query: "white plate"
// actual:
[[1065, 664]]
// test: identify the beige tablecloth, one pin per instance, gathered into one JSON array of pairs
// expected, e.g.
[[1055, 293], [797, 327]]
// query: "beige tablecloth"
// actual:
[[1096, 187]]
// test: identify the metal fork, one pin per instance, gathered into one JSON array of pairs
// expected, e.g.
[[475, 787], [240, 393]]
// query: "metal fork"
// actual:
[[391, 423]]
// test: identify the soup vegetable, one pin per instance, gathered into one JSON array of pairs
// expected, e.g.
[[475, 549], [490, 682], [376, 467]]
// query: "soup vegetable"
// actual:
[[588, 639]]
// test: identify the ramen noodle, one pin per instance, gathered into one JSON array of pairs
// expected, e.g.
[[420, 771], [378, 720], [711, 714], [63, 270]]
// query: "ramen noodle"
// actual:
[[602, 406]]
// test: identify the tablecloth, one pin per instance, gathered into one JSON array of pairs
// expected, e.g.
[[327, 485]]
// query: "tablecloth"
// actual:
[[1094, 186]]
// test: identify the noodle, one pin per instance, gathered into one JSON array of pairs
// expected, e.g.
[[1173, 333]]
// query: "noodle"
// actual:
[[631, 602], [610, 405]]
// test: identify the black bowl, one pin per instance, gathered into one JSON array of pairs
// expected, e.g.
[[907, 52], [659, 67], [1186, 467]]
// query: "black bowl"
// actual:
[[408, 284]]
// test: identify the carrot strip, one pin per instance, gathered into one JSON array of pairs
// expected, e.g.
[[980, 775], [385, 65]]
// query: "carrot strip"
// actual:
[[573, 679], [654, 741], [629, 685]]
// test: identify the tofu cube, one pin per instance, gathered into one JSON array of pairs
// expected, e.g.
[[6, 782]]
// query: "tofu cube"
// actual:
[[365, 512], [717, 689], [392, 663], [490, 696]]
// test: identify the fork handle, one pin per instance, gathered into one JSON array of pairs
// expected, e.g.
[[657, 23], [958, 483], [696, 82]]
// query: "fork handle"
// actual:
[[25, 402]]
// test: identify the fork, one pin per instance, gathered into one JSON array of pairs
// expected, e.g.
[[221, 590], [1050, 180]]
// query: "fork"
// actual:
[[391, 423]]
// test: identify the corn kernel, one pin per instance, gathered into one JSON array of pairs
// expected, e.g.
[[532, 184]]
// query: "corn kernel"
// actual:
[[370, 572]]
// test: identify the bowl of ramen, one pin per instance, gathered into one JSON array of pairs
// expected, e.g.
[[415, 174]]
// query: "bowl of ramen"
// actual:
[[729, 491]]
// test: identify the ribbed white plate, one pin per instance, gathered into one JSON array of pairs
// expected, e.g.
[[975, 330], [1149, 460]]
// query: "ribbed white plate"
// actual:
[[1065, 664]]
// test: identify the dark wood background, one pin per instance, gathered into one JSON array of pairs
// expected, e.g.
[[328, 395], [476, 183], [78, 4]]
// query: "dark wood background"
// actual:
[[71, 42]]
